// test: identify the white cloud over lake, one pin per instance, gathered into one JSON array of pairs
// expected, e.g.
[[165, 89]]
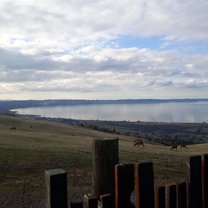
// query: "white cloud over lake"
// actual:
[[86, 49]]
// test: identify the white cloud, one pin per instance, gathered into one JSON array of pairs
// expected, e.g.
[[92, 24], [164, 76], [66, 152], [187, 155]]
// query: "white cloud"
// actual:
[[117, 69], [55, 24], [71, 46]]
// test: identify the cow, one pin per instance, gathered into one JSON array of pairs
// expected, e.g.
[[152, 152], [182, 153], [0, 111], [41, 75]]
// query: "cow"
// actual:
[[13, 128], [174, 146], [183, 146], [138, 142]]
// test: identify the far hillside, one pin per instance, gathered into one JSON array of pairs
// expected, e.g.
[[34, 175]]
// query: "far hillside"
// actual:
[[29, 147]]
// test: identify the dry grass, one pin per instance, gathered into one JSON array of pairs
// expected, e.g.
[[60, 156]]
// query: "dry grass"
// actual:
[[27, 152]]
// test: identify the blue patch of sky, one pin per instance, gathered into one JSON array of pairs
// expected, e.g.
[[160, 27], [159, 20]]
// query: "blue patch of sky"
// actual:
[[196, 47], [153, 42], [158, 43]]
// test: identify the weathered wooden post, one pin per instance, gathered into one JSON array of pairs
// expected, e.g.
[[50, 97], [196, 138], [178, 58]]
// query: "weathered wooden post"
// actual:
[[182, 195], [76, 205], [160, 200], [172, 196], [56, 188], [104, 158], [205, 180], [90, 201], [145, 185], [106, 201], [124, 185], [195, 182]]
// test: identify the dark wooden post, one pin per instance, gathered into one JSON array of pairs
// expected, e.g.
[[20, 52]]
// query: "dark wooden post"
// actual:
[[205, 180], [145, 185], [172, 196], [76, 205], [104, 158], [160, 200], [124, 185], [182, 195], [106, 201], [195, 182], [90, 201], [56, 188]]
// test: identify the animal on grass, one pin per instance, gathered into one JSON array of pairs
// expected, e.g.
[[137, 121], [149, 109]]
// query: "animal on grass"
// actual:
[[138, 142], [13, 128], [183, 146], [174, 147]]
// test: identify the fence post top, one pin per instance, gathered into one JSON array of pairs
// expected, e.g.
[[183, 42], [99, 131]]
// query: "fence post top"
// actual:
[[144, 163], [195, 157], [55, 171], [107, 139], [124, 166], [171, 184]]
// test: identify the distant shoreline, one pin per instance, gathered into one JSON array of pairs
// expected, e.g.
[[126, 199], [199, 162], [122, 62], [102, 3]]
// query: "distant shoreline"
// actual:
[[7, 105]]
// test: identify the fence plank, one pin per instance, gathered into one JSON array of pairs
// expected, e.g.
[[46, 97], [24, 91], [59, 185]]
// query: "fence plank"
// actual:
[[106, 201], [90, 201], [182, 195], [144, 185], [56, 188], [205, 180], [124, 185], [195, 182], [76, 205], [104, 158], [160, 200], [172, 196]]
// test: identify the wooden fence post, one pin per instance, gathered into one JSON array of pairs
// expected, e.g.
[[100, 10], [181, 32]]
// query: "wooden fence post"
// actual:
[[182, 195], [106, 201], [160, 200], [56, 188], [205, 180], [104, 158], [195, 182], [124, 185], [76, 205], [90, 201], [172, 196], [145, 185]]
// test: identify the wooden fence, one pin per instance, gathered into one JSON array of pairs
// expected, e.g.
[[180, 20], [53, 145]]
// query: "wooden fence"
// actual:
[[192, 193]]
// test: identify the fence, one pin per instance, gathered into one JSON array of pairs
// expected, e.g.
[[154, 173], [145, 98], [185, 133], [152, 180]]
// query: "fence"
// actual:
[[138, 178]]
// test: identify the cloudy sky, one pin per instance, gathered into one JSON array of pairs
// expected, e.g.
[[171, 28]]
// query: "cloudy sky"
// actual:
[[78, 49]]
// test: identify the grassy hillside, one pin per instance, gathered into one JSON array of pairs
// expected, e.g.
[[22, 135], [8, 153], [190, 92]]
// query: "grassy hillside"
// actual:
[[25, 153]]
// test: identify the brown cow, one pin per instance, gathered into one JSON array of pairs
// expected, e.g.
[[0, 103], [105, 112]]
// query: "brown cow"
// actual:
[[183, 146], [13, 128], [138, 142], [174, 146]]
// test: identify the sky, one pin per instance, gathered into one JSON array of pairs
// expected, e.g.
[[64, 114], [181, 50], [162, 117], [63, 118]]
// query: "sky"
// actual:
[[121, 49]]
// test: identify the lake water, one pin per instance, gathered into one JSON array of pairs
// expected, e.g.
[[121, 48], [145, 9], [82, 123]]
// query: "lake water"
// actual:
[[191, 112]]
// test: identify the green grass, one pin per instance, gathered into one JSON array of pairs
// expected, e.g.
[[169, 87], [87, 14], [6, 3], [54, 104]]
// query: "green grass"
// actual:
[[27, 152]]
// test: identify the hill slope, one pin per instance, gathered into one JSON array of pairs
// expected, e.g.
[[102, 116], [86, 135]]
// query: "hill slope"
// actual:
[[25, 153]]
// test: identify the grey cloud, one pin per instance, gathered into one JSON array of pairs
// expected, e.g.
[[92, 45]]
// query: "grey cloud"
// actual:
[[195, 85], [164, 84], [28, 75], [180, 19], [20, 67], [12, 59]]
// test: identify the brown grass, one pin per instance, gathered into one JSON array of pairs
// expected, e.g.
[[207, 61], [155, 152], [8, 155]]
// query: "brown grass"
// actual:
[[27, 152]]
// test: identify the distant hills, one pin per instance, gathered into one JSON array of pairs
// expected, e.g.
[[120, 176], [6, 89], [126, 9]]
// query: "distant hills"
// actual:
[[7, 105]]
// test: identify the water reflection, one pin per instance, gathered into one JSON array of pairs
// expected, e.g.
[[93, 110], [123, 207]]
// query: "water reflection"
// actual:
[[163, 112]]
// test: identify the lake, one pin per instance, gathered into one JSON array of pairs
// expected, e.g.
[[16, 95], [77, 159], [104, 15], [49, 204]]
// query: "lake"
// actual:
[[190, 112]]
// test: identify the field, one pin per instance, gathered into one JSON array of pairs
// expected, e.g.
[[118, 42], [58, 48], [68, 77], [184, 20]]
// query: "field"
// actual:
[[35, 146]]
